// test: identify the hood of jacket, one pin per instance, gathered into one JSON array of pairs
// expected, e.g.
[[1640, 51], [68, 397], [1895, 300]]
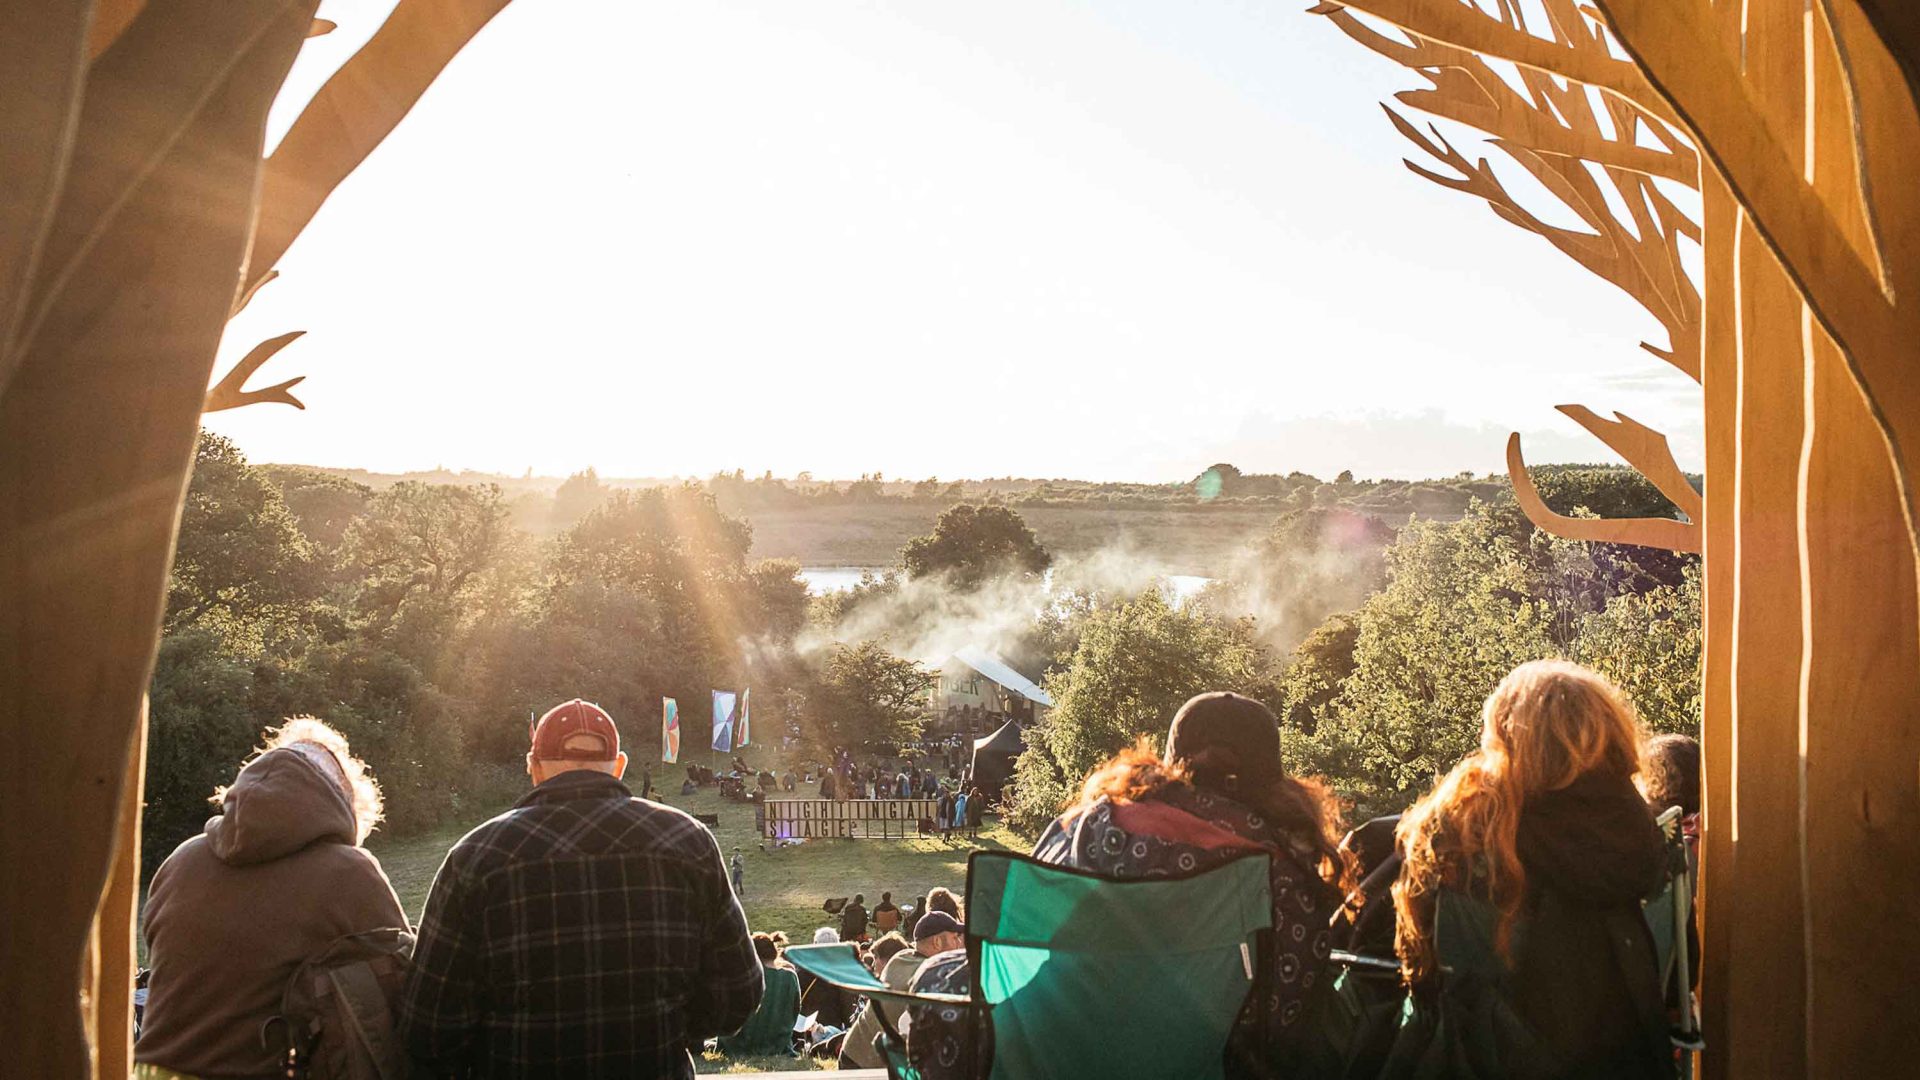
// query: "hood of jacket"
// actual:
[[280, 803], [1594, 841]]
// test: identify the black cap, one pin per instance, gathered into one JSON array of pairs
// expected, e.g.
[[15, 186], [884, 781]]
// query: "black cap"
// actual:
[[1237, 735], [936, 922]]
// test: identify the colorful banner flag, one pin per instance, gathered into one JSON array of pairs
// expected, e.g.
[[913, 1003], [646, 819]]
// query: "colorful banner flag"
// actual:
[[742, 729], [723, 720], [669, 729]]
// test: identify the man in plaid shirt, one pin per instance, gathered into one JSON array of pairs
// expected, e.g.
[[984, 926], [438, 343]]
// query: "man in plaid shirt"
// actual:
[[583, 933]]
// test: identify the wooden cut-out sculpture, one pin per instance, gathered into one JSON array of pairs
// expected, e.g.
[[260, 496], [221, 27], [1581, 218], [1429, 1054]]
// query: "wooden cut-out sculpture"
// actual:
[[1801, 120], [136, 214]]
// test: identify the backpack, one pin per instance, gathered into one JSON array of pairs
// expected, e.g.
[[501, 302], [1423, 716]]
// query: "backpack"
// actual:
[[336, 1016]]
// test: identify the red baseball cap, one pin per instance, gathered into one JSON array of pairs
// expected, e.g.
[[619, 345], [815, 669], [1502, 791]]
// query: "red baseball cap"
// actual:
[[575, 731]]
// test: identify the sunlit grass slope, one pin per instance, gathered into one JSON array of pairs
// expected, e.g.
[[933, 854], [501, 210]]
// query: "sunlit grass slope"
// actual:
[[784, 888]]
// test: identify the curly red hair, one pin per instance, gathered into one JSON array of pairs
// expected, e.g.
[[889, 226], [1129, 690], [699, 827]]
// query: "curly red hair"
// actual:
[[1301, 806], [1548, 723]]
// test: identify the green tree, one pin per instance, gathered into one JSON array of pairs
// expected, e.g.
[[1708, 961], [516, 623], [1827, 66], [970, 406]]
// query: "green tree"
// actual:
[[1462, 608], [1648, 643], [577, 496], [971, 544], [1134, 665], [864, 696], [1466, 602], [416, 556], [650, 596], [831, 609], [323, 504], [240, 565], [1318, 670], [779, 598], [201, 723]]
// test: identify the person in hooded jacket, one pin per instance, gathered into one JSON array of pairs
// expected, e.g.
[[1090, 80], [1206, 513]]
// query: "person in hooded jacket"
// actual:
[[1544, 824], [1218, 793], [274, 878]]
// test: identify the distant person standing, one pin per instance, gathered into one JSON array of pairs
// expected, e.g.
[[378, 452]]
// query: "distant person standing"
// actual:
[[583, 933], [976, 813], [739, 869], [960, 801]]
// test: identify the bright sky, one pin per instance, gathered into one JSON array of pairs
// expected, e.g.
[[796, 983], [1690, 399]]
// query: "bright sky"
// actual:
[[1104, 239]]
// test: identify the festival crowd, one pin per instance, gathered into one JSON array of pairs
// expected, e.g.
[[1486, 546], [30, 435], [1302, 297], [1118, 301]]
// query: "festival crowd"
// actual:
[[589, 933]]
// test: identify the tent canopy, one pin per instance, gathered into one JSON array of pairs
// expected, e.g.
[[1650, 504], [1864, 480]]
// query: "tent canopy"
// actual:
[[994, 755]]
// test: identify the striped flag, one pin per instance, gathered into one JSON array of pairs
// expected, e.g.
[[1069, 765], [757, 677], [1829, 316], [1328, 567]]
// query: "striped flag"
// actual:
[[742, 729], [723, 720], [669, 729]]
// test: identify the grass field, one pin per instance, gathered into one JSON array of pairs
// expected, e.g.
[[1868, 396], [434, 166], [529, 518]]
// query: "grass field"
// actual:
[[784, 889], [1184, 538]]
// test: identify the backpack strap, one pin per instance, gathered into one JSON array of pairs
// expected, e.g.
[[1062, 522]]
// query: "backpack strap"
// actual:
[[364, 1004]]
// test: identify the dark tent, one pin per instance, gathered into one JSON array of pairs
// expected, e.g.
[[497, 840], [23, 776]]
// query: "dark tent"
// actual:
[[993, 757]]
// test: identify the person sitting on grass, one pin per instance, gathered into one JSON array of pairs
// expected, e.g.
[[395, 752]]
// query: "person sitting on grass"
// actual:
[[832, 1006], [273, 879], [769, 1031], [584, 933], [853, 920], [886, 916], [933, 934], [941, 898]]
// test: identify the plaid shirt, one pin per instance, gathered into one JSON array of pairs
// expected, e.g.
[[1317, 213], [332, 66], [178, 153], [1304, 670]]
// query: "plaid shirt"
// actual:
[[584, 933]]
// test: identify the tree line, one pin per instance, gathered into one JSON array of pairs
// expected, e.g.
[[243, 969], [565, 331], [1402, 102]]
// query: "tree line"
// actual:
[[1412, 628], [427, 624]]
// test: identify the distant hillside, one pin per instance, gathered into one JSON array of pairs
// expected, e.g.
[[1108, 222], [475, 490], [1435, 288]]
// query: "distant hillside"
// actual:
[[1192, 527]]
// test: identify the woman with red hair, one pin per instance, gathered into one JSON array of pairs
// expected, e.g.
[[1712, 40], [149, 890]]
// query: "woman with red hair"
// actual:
[[1543, 824]]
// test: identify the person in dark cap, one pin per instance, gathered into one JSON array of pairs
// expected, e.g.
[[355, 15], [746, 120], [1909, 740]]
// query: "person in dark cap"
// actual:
[[934, 935], [1217, 793]]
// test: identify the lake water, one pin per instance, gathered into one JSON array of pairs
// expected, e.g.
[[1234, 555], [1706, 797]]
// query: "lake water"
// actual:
[[827, 579]]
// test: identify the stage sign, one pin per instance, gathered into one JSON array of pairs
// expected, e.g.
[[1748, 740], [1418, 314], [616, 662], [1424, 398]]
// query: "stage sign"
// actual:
[[810, 819]]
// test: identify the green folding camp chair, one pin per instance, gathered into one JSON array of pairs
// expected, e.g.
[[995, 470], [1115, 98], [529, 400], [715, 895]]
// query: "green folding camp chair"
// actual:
[[1077, 975], [1365, 1009], [1668, 916]]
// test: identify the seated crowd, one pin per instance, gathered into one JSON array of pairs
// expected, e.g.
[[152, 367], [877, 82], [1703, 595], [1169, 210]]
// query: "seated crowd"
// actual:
[[589, 933]]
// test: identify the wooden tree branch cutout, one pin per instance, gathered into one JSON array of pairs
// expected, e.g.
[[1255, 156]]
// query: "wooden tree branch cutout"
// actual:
[[1646, 450], [1643, 532], [230, 392]]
